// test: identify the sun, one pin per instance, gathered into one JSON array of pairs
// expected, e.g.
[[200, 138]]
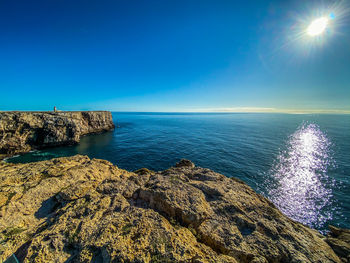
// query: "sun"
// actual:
[[318, 26]]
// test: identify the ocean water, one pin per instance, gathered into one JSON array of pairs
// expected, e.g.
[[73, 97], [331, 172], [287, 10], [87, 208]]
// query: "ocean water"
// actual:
[[300, 162]]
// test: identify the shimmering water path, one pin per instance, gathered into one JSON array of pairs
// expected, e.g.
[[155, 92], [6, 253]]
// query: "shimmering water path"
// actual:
[[301, 162]]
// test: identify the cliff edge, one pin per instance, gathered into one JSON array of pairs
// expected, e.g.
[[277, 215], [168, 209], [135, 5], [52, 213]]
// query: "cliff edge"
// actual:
[[76, 209], [24, 131]]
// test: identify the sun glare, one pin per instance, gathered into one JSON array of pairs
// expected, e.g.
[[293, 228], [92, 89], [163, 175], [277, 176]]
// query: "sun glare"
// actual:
[[317, 26], [301, 172]]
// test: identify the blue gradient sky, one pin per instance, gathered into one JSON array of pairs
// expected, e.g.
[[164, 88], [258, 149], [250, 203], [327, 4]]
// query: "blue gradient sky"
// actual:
[[172, 56]]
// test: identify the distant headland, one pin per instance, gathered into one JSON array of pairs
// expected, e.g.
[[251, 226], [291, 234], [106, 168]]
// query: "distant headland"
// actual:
[[23, 131]]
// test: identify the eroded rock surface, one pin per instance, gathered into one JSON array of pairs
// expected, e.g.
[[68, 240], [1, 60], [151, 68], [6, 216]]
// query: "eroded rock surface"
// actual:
[[76, 209], [23, 131], [339, 240]]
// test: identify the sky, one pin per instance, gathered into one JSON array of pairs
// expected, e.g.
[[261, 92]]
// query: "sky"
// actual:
[[174, 56]]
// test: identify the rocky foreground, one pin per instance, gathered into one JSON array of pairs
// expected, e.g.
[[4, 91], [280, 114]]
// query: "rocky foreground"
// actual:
[[22, 131], [76, 209]]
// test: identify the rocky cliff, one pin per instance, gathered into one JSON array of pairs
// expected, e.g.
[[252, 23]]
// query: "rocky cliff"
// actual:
[[23, 131], [77, 209]]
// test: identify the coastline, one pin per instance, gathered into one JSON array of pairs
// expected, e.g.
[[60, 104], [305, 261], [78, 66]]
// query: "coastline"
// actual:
[[82, 208], [23, 131]]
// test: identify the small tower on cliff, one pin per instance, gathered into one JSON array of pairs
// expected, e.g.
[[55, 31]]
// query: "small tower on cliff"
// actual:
[[54, 109]]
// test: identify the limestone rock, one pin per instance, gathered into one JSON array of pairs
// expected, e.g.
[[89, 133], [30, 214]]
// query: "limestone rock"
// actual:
[[339, 240], [23, 131], [80, 210], [185, 163]]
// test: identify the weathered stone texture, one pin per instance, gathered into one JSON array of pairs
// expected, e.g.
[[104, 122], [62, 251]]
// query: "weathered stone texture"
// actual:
[[24, 131], [76, 209]]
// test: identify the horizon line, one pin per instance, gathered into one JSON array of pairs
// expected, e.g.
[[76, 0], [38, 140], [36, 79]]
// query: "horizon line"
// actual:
[[248, 110], [216, 110]]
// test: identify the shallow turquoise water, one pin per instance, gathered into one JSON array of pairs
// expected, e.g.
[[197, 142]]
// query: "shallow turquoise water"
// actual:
[[300, 162]]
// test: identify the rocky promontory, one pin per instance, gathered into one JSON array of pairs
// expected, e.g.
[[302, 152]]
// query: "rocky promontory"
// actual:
[[21, 132], [76, 209]]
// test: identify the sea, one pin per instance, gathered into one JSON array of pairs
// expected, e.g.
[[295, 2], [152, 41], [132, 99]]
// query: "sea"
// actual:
[[301, 162]]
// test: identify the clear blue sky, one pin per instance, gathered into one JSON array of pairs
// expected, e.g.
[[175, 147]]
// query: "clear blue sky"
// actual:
[[172, 55]]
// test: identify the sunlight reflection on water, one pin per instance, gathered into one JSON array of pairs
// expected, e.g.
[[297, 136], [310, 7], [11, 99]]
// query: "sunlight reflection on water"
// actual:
[[301, 187]]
